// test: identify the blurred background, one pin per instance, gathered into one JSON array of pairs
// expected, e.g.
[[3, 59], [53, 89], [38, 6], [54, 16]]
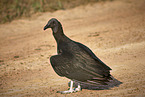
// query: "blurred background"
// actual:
[[12, 9]]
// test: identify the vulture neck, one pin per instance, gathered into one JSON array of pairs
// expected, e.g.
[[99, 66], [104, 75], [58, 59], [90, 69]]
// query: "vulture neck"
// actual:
[[59, 35]]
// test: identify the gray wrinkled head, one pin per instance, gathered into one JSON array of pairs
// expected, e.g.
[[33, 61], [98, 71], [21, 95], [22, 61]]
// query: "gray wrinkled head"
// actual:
[[53, 24]]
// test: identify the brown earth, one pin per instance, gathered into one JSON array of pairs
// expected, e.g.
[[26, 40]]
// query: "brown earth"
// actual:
[[115, 31]]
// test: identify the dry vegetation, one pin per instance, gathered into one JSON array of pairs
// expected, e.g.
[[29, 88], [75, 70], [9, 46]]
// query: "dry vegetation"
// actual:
[[12, 9]]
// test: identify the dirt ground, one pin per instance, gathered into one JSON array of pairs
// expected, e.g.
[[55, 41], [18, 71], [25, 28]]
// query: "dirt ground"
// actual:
[[115, 31]]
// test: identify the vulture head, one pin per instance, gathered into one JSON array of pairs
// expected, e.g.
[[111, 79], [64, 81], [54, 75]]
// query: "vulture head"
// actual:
[[54, 24]]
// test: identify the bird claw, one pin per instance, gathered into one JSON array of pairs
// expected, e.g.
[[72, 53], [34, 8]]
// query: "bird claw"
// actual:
[[70, 91], [66, 92], [77, 89]]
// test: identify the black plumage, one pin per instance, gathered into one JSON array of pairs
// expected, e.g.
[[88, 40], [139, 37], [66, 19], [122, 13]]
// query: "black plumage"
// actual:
[[74, 60]]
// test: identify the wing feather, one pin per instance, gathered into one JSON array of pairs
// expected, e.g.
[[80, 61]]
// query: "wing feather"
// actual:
[[93, 56], [82, 66]]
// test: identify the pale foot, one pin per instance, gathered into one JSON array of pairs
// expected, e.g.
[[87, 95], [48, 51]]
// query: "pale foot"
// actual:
[[71, 90]]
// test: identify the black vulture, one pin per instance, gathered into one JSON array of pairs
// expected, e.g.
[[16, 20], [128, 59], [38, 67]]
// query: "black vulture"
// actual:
[[75, 60]]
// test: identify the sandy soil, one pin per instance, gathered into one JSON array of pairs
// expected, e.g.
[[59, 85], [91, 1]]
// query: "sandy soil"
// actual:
[[115, 31]]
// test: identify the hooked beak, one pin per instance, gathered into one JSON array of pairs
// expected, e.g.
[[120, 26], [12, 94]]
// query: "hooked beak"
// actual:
[[47, 26]]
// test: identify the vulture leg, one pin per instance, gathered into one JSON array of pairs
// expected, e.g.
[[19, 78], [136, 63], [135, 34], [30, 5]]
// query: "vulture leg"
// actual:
[[78, 88], [71, 90]]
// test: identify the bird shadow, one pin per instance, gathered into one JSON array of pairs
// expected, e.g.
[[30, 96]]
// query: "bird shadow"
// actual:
[[112, 83]]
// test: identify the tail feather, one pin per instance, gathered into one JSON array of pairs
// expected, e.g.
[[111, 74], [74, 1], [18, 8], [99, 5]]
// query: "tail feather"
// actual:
[[96, 82], [100, 80]]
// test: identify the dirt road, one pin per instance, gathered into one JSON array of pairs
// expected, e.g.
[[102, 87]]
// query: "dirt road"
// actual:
[[115, 31]]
